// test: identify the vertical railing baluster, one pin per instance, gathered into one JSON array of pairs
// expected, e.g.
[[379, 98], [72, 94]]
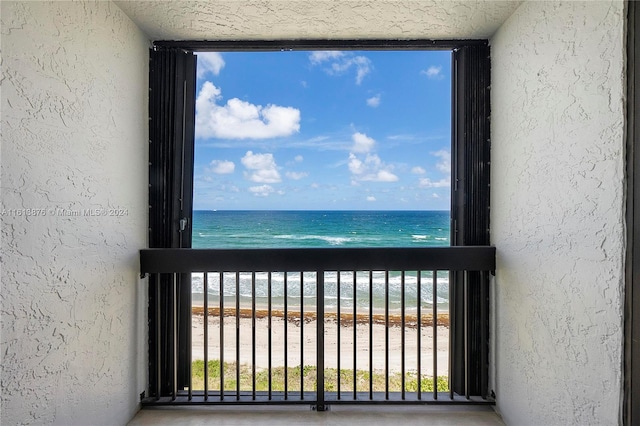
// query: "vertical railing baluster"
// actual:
[[402, 335], [386, 334], [320, 340], [484, 335], [158, 338], [339, 343], [419, 326], [371, 335], [189, 345], [269, 336], [221, 302], [451, 371], [301, 335], [466, 333], [237, 336], [286, 338], [174, 333], [253, 335], [435, 334], [205, 329], [355, 352]]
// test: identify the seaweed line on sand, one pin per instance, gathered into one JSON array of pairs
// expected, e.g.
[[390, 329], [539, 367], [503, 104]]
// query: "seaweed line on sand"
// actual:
[[346, 319]]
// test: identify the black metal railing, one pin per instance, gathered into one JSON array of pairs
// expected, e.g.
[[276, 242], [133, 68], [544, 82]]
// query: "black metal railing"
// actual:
[[254, 295]]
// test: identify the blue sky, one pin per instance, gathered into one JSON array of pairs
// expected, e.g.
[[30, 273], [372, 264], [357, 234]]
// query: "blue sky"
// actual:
[[323, 130]]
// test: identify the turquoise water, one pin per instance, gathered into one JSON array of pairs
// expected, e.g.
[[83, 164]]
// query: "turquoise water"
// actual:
[[305, 229]]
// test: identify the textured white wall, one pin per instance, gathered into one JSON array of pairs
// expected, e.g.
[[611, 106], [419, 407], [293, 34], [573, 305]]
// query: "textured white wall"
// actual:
[[333, 19], [74, 137], [557, 212]]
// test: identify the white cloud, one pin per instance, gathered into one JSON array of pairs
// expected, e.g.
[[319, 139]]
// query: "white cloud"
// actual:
[[261, 168], [324, 55], [371, 198], [374, 101], [444, 165], [210, 62], [296, 175], [418, 170], [356, 166], [370, 170], [433, 73], [341, 62], [367, 166], [262, 190], [299, 159], [362, 143], [238, 119], [434, 195], [428, 183], [363, 65], [222, 167], [401, 137], [385, 176]]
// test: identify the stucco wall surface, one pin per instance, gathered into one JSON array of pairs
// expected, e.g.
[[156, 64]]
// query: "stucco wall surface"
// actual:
[[557, 212], [74, 146], [320, 19]]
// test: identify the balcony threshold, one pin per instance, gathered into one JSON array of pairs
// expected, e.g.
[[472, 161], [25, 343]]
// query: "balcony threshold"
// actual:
[[331, 399]]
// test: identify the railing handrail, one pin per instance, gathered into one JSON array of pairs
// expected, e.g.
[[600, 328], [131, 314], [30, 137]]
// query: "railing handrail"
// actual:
[[187, 260]]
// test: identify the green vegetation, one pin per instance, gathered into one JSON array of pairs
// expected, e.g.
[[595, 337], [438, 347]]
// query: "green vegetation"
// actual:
[[309, 372]]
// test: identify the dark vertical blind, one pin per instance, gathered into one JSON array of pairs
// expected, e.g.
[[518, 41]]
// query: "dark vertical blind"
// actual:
[[172, 75], [171, 132], [470, 215]]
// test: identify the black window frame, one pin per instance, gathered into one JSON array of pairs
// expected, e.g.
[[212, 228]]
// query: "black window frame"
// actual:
[[630, 414], [172, 75]]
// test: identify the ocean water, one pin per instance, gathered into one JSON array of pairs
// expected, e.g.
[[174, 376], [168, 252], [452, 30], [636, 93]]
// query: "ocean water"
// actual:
[[306, 229]]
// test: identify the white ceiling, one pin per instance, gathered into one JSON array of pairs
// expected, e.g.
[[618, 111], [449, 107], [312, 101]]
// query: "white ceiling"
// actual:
[[318, 19]]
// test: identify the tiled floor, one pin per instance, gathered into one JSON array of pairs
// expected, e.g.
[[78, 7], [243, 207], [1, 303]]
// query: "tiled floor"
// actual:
[[338, 415]]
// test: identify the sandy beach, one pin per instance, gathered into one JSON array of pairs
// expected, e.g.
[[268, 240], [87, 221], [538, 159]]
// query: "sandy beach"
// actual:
[[305, 332]]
